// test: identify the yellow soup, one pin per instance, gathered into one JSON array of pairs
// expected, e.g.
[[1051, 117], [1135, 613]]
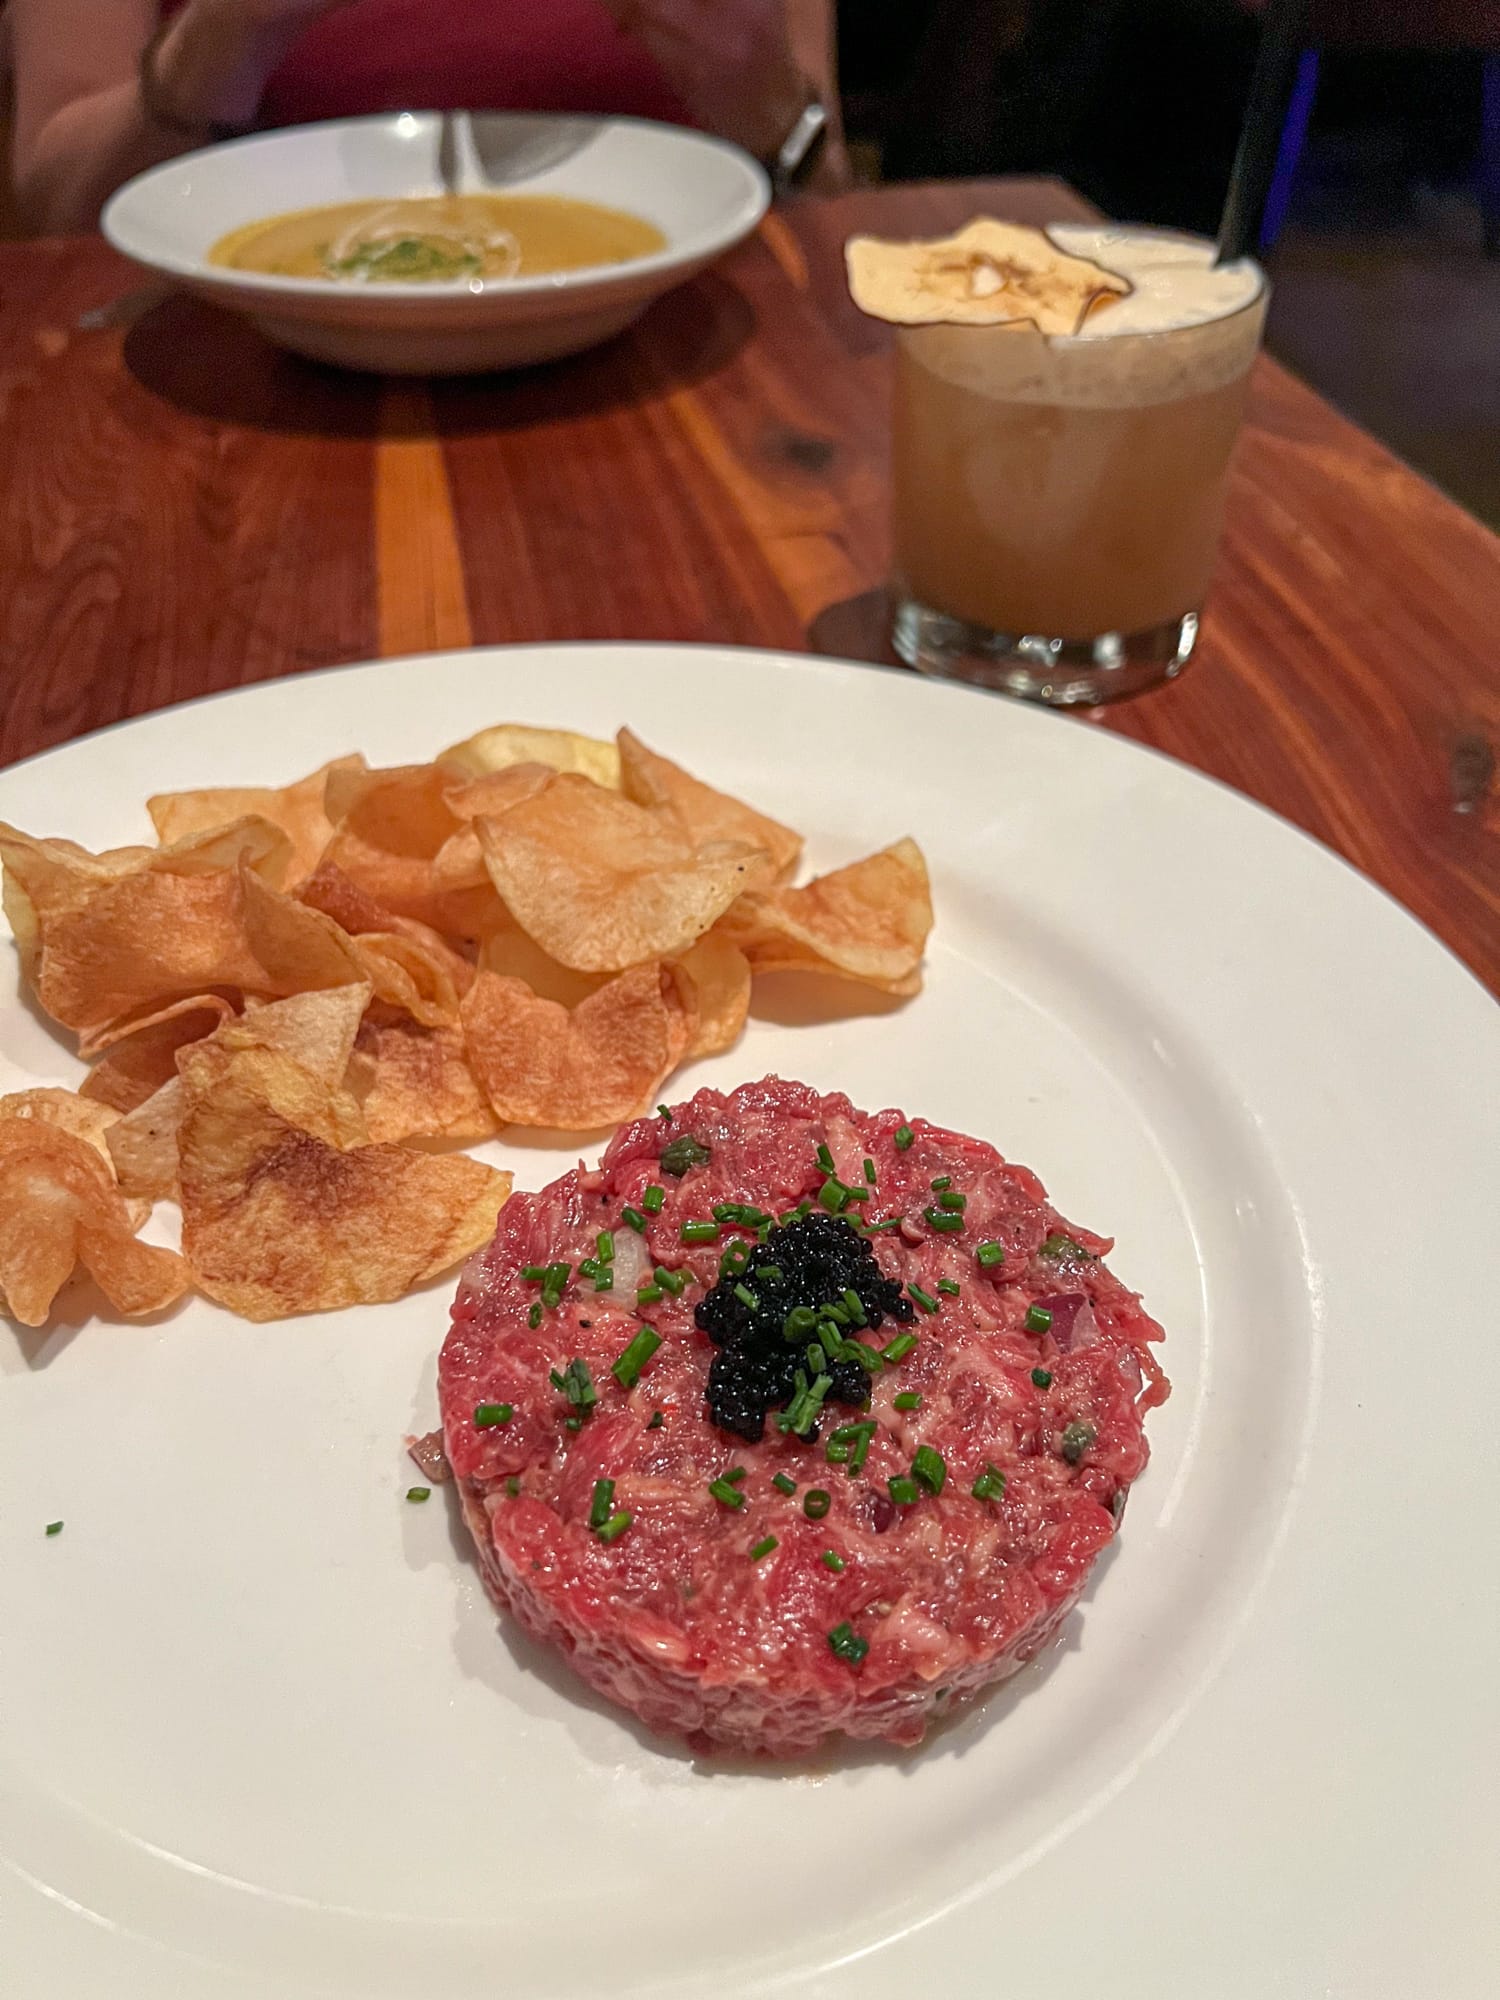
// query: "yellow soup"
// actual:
[[438, 238]]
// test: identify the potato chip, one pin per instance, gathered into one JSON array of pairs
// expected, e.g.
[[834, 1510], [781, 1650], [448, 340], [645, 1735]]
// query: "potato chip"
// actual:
[[297, 948], [102, 936], [59, 1208], [141, 1055], [517, 743], [279, 1218], [600, 883], [297, 809], [515, 956], [317, 1030], [497, 791], [716, 976], [416, 1083], [989, 274], [65, 1110], [704, 814], [541, 1064], [396, 838], [868, 922]]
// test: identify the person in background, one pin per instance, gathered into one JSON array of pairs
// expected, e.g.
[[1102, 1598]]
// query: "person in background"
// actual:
[[106, 88]]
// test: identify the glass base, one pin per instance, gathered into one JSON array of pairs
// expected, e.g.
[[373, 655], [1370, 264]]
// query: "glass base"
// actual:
[[1069, 673]]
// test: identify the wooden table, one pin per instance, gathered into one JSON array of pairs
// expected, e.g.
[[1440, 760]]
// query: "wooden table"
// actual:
[[186, 509]]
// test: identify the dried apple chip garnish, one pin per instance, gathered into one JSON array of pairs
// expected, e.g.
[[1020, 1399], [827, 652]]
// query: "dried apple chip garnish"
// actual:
[[868, 922], [989, 274], [601, 883], [60, 1208], [279, 1217]]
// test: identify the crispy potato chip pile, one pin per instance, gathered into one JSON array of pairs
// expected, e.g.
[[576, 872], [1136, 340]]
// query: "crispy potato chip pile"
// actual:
[[303, 994]]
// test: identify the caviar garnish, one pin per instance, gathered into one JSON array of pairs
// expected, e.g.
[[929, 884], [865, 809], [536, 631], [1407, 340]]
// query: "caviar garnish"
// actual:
[[990, 1485], [903, 1138], [487, 1415], [831, 1559], [902, 1490], [682, 1153], [822, 1280], [576, 1383], [990, 1254], [816, 1502], [627, 1369], [1076, 1440], [614, 1527], [1042, 1377], [847, 1643], [602, 1504], [907, 1400], [928, 1469], [413, 1493], [1058, 1246], [782, 1484], [763, 1548], [1038, 1319], [634, 1219], [653, 1198]]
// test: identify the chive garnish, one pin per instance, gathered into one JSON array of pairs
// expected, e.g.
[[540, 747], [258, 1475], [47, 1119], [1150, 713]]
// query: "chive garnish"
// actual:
[[589, 1267], [831, 1559], [1057, 1245], [633, 1219], [870, 1172], [833, 1196], [856, 1307], [799, 1323], [603, 1503], [513, 1486], [1038, 1319], [742, 1213], [902, 1490], [855, 1440], [414, 1493], [880, 1228], [816, 1502], [535, 1274], [783, 1484], [670, 1281], [847, 1643], [907, 1400], [748, 1299], [763, 1548], [662, 1111], [769, 1274], [1076, 1440], [825, 1159], [627, 1369], [924, 1299], [953, 1201], [903, 1138], [989, 1254], [927, 1466], [487, 1415], [726, 1492], [856, 1350], [614, 1527], [948, 1288], [1042, 1377], [943, 1181], [942, 1221], [836, 1454], [898, 1349], [653, 1198], [656, 1422], [649, 1294], [682, 1154], [990, 1485], [534, 1317], [576, 1383], [605, 1243], [699, 1232], [572, 1423]]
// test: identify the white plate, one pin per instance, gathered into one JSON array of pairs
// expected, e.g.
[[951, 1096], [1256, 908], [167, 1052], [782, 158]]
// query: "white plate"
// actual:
[[702, 193], [261, 1735]]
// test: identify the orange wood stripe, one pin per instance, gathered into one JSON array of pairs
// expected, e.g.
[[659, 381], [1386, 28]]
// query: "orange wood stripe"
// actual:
[[787, 251], [419, 568]]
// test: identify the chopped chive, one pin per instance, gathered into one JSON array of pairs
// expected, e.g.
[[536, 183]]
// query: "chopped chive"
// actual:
[[907, 1400], [856, 1307], [880, 1228], [572, 1423], [662, 1111], [682, 1154], [699, 1232], [1042, 1377], [769, 1274], [817, 1354], [614, 1527], [943, 1181], [487, 1415], [534, 1317], [833, 1196], [903, 1138], [940, 1220], [670, 1281], [603, 1503], [816, 1502], [989, 1254], [589, 1267], [990, 1485], [763, 1548], [953, 1201], [726, 1494], [796, 1214], [535, 1274], [656, 1422], [576, 1383], [783, 1484], [1076, 1440], [927, 1466], [902, 1490], [649, 1294], [1057, 1245], [799, 1322], [605, 1282], [743, 1214], [736, 1475], [898, 1349], [1038, 1319], [414, 1493], [838, 1313], [748, 1299], [802, 1412], [633, 1219], [831, 1559], [948, 1288], [847, 1643], [870, 1172], [606, 1246], [513, 1486], [837, 1454], [924, 1299], [856, 1194], [627, 1369], [653, 1198], [856, 1350], [825, 1159]]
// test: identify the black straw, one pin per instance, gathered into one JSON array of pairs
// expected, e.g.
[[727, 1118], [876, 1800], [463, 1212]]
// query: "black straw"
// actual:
[[1283, 40]]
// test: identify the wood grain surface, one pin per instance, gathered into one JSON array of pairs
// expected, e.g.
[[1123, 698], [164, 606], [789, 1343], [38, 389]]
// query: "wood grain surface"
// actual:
[[186, 509]]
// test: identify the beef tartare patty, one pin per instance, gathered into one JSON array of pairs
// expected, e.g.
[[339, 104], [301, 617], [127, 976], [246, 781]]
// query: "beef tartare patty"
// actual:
[[790, 1420]]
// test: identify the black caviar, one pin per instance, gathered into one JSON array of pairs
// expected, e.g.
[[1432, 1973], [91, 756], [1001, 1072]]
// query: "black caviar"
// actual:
[[811, 1262]]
